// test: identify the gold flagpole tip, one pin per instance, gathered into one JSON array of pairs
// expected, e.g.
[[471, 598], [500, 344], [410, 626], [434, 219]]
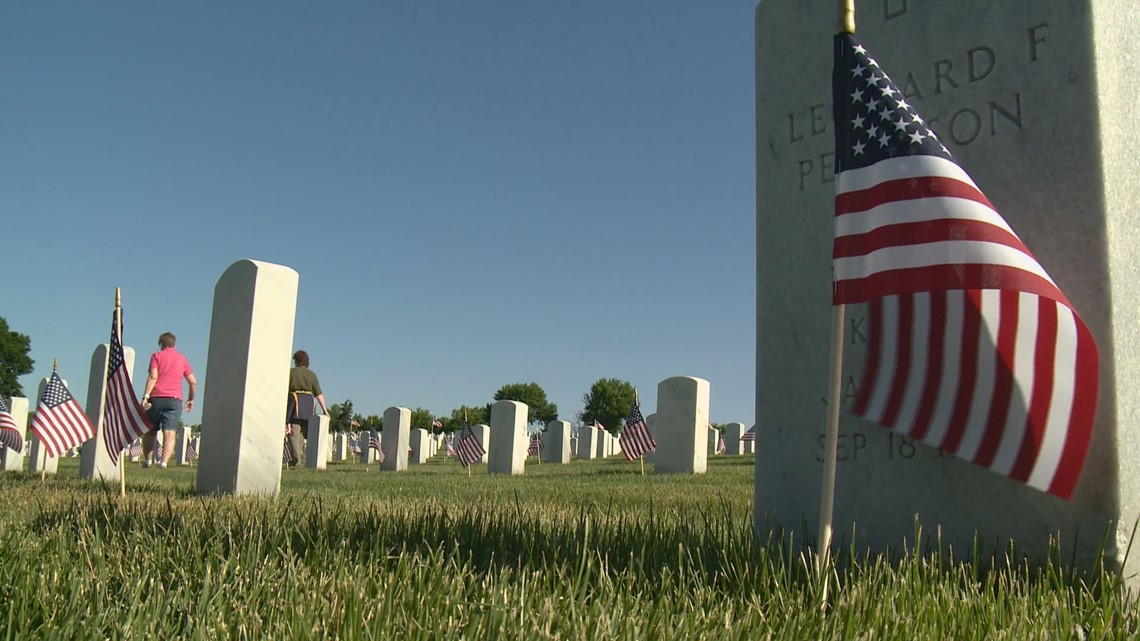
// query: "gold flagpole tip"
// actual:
[[846, 16]]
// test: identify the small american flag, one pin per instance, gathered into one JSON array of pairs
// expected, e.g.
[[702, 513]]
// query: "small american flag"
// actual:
[[635, 438], [59, 422], [448, 448], [536, 445], [191, 451], [136, 449], [374, 440], [123, 417], [469, 449], [721, 446], [973, 348], [435, 424], [10, 436], [750, 435]]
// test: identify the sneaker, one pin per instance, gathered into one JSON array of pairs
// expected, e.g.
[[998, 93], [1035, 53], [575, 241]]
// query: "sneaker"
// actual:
[[162, 465], [146, 463]]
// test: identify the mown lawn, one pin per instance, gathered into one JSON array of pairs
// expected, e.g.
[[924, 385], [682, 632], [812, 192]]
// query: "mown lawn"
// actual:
[[587, 550]]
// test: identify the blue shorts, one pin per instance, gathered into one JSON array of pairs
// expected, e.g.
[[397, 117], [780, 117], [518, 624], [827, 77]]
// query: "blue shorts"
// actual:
[[165, 413]]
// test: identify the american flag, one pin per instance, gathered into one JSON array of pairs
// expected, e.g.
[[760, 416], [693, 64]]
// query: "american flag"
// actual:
[[448, 448], [191, 451], [972, 347], [374, 440], [750, 435], [436, 425], [59, 422], [469, 450], [635, 438], [721, 446], [10, 436], [123, 417], [136, 449], [536, 445], [287, 453]]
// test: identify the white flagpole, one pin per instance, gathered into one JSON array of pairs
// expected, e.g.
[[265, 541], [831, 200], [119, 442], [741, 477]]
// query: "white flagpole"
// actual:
[[119, 331], [835, 383]]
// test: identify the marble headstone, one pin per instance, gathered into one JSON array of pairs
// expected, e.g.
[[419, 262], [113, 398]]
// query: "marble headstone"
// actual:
[[588, 442], [483, 433], [1036, 101], [11, 460], [557, 442], [682, 425], [94, 462], [507, 453], [714, 439], [732, 443], [397, 439], [247, 366], [319, 443], [421, 446], [182, 439]]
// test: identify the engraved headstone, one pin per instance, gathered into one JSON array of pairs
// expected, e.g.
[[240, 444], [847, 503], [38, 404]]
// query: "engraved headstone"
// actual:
[[682, 425], [94, 462], [247, 365], [1034, 99], [319, 442], [507, 453], [397, 439], [556, 442], [11, 460]]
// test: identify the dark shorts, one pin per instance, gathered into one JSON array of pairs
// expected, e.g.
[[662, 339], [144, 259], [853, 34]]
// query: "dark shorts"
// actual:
[[165, 413]]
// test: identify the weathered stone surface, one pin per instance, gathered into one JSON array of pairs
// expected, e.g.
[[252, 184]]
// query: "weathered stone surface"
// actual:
[[1033, 98], [682, 425]]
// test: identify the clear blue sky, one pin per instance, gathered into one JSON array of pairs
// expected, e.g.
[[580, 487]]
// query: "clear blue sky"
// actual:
[[473, 194]]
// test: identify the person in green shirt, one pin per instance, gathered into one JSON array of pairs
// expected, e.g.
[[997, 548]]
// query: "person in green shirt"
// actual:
[[304, 393]]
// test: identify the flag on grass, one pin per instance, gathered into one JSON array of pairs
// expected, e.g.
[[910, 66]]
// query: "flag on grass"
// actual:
[[721, 446], [59, 422], [469, 450], [635, 438], [374, 440], [973, 348], [10, 436], [536, 445], [136, 449], [123, 417], [191, 451]]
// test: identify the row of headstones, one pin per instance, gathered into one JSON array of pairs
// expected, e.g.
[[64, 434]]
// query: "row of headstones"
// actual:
[[592, 442]]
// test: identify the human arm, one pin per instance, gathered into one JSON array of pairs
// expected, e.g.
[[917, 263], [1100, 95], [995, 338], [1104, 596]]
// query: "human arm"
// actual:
[[321, 400], [151, 381], [193, 384]]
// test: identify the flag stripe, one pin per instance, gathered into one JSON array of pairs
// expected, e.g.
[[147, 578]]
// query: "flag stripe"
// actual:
[[930, 192], [941, 277], [922, 233]]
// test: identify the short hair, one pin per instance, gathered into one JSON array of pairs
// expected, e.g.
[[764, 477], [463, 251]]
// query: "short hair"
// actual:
[[166, 340], [301, 358]]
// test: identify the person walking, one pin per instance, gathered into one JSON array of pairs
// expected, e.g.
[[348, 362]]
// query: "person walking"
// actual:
[[304, 394], [162, 397]]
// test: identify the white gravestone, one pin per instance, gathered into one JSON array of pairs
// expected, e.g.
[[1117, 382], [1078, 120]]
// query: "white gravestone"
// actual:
[[247, 369], [588, 442], [507, 454], [574, 446], [181, 440], [317, 449], [714, 440], [732, 443], [94, 462], [1036, 101], [397, 426], [421, 445], [340, 450], [38, 459], [556, 442], [682, 425], [11, 460], [483, 433]]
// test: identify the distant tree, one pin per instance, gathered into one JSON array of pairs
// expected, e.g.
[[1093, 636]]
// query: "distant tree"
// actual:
[[14, 360], [340, 416], [422, 418], [476, 415], [371, 422], [541, 410], [608, 403]]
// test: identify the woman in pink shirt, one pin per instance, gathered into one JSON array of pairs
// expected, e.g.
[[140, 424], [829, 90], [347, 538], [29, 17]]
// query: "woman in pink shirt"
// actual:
[[163, 397]]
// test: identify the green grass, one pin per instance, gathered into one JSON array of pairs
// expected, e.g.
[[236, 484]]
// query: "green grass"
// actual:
[[587, 550]]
